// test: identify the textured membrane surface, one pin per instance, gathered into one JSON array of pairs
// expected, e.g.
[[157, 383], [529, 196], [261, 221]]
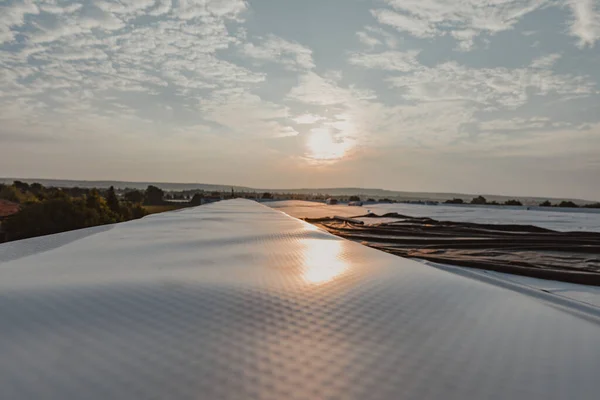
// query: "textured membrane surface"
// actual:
[[238, 301]]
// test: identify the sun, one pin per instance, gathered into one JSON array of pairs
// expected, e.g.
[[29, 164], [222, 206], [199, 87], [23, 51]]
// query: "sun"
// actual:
[[322, 145]]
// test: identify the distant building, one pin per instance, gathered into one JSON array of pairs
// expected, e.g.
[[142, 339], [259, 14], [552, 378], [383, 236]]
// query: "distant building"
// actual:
[[211, 199]]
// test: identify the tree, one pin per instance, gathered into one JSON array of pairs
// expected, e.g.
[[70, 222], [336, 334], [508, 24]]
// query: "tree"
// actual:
[[454, 201], [10, 193], [546, 204], [513, 203], [94, 201], [112, 201], [153, 196], [267, 195], [137, 211], [354, 198], [36, 188], [567, 204], [125, 212], [196, 200], [134, 196], [594, 205], [77, 191], [54, 210], [22, 186], [102, 213], [479, 200], [371, 200], [58, 215]]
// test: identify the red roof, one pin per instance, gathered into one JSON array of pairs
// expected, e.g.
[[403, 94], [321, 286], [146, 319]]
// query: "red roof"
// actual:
[[8, 208]]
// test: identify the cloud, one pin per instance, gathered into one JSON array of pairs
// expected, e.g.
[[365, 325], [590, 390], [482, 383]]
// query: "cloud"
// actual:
[[95, 64], [367, 39], [206, 9], [314, 89], [449, 98], [423, 126], [465, 38], [274, 49], [463, 20], [307, 119], [586, 21], [490, 87], [13, 16], [515, 124], [579, 143], [161, 7], [248, 115], [417, 27], [388, 60], [546, 62], [356, 119], [391, 41], [374, 36], [54, 9], [131, 7]]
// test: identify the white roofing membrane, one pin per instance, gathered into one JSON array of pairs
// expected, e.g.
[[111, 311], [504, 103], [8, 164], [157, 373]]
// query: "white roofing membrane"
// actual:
[[235, 300], [558, 219]]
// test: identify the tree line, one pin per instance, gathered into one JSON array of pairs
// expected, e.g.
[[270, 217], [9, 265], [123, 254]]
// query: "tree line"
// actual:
[[45, 211], [480, 200]]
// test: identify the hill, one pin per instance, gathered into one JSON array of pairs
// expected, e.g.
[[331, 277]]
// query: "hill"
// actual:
[[364, 192]]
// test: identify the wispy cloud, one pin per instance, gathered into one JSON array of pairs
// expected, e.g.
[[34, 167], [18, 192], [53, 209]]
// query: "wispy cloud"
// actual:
[[292, 55], [367, 39], [388, 60], [13, 16], [307, 119], [489, 87], [418, 27], [314, 89], [547, 61], [247, 114], [463, 20], [586, 21], [515, 124], [98, 49]]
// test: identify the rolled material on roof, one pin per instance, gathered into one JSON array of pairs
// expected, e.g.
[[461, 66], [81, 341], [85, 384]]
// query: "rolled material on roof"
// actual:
[[517, 249], [234, 300]]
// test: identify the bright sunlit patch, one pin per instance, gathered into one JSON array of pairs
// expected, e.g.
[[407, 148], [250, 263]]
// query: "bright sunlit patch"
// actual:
[[322, 145], [322, 260]]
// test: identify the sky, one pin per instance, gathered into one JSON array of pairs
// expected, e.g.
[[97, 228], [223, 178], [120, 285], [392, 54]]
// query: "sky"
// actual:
[[477, 96]]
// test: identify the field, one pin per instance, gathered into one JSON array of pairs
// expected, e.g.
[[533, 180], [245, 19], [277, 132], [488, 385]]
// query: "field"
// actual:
[[164, 208]]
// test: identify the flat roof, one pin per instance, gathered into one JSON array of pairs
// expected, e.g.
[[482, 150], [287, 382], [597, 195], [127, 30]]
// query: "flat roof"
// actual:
[[234, 300]]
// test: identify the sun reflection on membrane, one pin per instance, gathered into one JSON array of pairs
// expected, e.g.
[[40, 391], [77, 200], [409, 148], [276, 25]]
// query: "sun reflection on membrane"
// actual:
[[322, 260]]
